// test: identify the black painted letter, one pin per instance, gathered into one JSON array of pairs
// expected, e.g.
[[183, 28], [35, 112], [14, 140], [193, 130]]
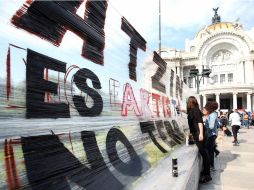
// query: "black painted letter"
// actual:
[[131, 168], [80, 78], [36, 87], [148, 127], [49, 164], [137, 41], [50, 19], [156, 84]]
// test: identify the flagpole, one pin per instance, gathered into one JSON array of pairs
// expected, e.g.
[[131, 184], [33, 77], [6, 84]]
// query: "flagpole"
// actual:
[[159, 27]]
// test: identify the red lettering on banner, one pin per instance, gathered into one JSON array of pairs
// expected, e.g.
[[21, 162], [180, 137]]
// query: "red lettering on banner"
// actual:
[[144, 99], [167, 106], [129, 101], [156, 97]]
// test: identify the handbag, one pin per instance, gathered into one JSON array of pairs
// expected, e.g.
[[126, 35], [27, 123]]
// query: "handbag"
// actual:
[[191, 139]]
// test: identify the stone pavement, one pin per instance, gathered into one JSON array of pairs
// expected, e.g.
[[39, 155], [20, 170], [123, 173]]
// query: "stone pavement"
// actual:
[[234, 167]]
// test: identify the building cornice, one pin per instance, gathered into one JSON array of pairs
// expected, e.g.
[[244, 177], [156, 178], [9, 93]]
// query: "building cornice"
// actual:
[[235, 87]]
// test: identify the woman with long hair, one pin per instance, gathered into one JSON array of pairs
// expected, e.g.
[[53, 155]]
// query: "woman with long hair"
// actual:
[[211, 125], [197, 130]]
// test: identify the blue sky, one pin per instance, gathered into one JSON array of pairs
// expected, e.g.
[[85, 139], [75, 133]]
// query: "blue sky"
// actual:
[[200, 16], [182, 18]]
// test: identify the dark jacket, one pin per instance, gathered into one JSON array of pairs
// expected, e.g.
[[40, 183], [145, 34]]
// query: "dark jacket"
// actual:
[[195, 117]]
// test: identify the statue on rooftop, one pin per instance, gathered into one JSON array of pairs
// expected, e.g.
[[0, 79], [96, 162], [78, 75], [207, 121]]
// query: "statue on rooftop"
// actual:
[[215, 10], [216, 17]]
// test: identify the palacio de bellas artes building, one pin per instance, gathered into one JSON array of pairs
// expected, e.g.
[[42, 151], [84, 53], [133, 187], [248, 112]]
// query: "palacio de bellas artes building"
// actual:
[[228, 51]]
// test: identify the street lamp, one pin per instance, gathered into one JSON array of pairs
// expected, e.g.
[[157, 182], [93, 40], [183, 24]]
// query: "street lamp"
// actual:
[[195, 73]]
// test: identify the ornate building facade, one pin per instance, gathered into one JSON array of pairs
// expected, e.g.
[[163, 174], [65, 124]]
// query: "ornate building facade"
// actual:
[[226, 49]]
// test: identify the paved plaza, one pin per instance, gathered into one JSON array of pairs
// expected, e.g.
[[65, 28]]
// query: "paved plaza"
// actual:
[[234, 167]]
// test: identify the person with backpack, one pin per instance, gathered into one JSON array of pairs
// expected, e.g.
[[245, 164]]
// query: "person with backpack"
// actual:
[[223, 120], [246, 119], [224, 123]]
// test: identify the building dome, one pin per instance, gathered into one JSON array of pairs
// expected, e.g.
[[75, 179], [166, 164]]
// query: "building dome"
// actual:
[[221, 25], [217, 27]]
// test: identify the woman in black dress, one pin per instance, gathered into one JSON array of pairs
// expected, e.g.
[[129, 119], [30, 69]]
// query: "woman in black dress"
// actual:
[[197, 130]]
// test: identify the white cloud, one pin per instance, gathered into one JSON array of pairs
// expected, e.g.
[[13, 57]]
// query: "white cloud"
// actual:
[[143, 14], [180, 15]]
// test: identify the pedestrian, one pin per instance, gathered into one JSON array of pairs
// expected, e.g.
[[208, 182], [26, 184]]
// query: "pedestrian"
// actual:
[[249, 113], [246, 119], [235, 121], [252, 119], [224, 123], [223, 120], [211, 125], [197, 130]]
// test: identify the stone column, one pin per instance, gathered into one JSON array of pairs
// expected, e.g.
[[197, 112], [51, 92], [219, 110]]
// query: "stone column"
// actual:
[[234, 100], [194, 83], [218, 99], [204, 100], [181, 72], [249, 101], [252, 102]]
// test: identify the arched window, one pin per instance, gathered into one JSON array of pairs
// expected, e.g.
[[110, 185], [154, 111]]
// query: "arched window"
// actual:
[[192, 49]]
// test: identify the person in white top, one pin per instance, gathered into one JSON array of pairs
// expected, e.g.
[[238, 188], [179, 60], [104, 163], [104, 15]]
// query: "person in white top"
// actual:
[[235, 121]]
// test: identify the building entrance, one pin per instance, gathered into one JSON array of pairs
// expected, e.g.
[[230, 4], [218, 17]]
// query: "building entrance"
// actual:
[[239, 103], [225, 103]]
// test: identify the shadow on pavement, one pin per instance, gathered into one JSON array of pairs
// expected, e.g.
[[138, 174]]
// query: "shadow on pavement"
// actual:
[[220, 164]]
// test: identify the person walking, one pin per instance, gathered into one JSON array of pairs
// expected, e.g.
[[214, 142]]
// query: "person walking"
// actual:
[[235, 121], [197, 130], [211, 124]]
